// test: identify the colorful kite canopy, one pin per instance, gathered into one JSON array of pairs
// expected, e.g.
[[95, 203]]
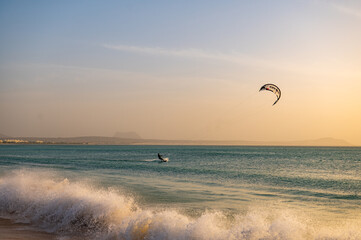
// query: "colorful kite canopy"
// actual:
[[273, 88]]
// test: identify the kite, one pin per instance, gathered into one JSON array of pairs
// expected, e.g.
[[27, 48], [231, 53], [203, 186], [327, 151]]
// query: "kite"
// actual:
[[273, 88]]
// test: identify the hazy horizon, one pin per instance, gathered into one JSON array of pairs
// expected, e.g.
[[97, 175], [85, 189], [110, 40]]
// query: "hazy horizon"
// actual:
[[181, 70]]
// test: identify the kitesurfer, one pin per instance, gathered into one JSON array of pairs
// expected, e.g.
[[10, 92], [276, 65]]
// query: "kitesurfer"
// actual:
[[163, 159]]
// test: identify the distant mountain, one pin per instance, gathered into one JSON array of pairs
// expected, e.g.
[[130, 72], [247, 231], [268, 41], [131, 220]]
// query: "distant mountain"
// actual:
[[4, 136], [127, 135], [131, 138], [315, 142]]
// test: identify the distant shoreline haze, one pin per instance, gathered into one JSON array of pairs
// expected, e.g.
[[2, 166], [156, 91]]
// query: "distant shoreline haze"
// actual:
[[132, 138]]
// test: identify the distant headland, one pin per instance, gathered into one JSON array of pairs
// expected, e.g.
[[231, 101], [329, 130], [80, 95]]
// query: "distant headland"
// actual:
[[132, 138]]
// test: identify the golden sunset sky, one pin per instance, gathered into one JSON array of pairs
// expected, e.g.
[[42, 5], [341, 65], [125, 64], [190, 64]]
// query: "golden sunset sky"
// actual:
[[181, 69]]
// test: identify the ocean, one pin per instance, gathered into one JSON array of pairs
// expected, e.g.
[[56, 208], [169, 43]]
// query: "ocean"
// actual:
[[202, 192]]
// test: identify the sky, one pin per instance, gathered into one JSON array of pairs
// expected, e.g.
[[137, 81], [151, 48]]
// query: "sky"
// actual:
[[181, 69]]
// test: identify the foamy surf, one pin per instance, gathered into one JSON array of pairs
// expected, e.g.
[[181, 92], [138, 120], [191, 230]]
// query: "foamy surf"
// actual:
[[151, 160], [70, 209]]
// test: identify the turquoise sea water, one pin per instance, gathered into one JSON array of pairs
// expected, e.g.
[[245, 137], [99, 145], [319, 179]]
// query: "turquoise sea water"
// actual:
[[203, 192]]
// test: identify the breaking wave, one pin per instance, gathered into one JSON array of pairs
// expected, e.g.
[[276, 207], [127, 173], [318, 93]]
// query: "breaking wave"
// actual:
[[69, 208]]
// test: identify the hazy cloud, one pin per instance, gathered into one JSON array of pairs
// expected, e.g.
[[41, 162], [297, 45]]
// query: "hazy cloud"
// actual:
[[347, 10], [166, 52], [236, 58]]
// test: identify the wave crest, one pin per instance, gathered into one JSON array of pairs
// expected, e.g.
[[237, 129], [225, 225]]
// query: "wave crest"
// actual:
[[73, 208]]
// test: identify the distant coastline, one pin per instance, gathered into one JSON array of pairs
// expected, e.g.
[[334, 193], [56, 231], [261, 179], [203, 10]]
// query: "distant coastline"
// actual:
[[98, 140]]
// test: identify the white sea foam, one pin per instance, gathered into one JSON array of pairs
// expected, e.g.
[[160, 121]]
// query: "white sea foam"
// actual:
[[151, 160], [72, 208]]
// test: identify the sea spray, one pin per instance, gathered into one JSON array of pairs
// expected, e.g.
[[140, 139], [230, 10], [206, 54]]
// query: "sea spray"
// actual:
[[60, 206], [77, 209]]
